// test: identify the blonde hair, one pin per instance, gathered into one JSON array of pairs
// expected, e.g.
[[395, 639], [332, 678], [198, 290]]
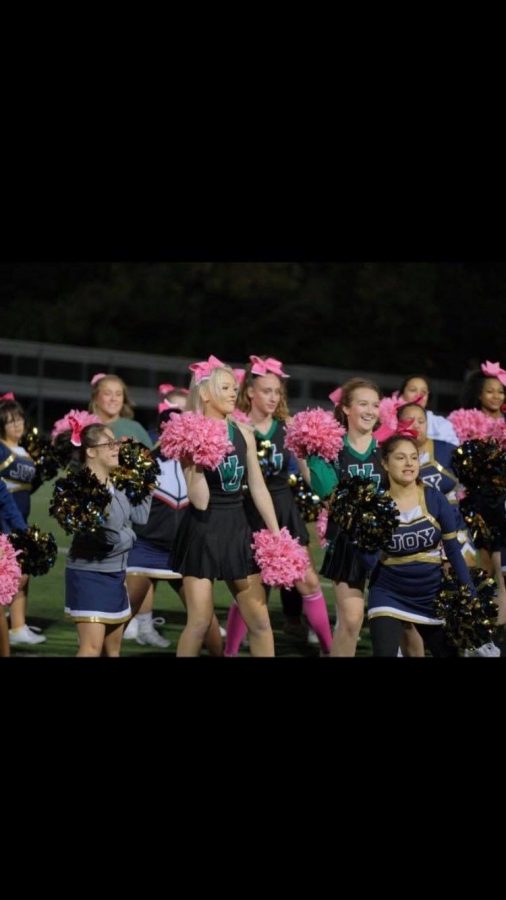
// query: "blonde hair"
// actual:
[[126, 411], [195, 402], [244, 402]]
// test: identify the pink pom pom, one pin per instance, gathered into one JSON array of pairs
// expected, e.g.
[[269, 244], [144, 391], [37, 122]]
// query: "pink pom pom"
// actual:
[[472, 424], [315, 431], [81, 416], [10, 571], [388, 411], [192, 435], [281, 558], [321, 526], [241, 417]]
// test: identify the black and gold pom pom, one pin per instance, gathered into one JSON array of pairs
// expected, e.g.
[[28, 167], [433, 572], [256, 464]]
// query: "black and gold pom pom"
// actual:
[[469, 616], [38, 550], [265, 454], [481, 466], [43, 454], [308, 503], [79, 502], [136, 473], [368, 515]]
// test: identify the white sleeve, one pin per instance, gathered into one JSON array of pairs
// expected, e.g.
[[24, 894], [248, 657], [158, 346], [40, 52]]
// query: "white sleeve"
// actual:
[[441, 429]]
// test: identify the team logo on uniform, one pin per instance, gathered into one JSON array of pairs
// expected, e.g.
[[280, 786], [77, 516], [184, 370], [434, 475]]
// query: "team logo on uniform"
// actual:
[[432, 480], [231, 473], [365, 471], [413, 541]]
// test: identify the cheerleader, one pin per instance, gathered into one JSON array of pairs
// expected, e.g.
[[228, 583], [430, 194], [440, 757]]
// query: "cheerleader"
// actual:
[[95, 594], [10, 520], [214, 538], [111, 403], [21, 478], [415, 389], [358, 405], [405, 582], [262, 396], [150, 559]]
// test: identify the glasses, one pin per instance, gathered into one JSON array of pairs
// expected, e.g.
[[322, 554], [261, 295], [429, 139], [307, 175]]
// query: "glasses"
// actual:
[[110, 444], [14, 420]]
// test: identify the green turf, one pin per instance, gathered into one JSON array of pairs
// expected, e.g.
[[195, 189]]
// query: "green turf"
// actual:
[[46, 602]]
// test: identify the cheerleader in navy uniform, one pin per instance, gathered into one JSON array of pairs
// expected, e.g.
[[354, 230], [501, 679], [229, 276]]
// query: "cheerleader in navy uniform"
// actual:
[[358, 405], [405, 581], [262, 397], [415, 389], [21, 478], [150, 559], [214, 538], [95, 594]]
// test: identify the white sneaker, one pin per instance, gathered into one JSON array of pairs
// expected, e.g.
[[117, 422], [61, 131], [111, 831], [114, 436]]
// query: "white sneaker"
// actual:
[[149, 635], [26, 635], [312, 638], [223, 632], [131, 632], [489, 649]]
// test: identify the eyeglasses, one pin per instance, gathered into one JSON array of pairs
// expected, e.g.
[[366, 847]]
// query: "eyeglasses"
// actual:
[[110, 444], [14, 420]]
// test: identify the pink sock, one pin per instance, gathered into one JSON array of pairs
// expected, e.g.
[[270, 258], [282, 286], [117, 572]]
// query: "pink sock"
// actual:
[[315, 611], [236, 631]]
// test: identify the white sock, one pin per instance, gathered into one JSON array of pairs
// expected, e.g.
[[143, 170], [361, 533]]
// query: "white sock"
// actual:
[[144, 618]]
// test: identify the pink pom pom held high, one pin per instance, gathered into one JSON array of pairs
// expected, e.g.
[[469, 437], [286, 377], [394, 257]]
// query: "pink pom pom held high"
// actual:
[[315, 431], [200, 438]]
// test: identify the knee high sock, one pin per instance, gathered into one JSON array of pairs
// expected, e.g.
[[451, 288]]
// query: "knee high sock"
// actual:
[[236, 630], [315, 611]]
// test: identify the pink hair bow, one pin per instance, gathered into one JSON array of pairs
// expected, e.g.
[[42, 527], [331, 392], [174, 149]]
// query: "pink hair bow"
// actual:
[[76, 428], [8, 396], [264, 366], [168, 388], [493, 370], [404, 429], [97, 377], [335, 396], [203, 370], [166, 404], [239, 375]]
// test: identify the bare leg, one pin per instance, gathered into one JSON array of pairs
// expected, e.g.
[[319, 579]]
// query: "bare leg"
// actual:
[[350, 615], [198, 593], [112, 640], [250, 597], [19, 604], [4, 634], [91, 638]]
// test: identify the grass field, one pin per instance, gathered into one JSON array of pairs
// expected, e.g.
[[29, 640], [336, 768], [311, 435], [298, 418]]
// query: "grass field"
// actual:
[[46, 602]]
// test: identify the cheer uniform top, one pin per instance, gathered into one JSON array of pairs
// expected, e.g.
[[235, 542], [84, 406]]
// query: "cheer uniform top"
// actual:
[[276, 464], [151, 554], [19, 473], [215, 542], [405, 581], [436, 470], [343, 560]]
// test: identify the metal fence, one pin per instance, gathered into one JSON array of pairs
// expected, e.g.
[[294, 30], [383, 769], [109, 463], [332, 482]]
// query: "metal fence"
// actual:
[[49, 379]]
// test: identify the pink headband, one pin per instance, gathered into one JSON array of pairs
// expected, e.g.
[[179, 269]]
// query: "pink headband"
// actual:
[[8, 396], [264, 366], [493, 370], [202, 370], [97, 377], [335, 396]]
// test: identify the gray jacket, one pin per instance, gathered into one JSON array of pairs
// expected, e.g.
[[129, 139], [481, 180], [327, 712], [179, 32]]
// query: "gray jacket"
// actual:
[[107, 550]]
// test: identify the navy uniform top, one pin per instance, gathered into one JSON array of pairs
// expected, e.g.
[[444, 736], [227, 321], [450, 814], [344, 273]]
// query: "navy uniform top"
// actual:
[[406, 579], [10, 516], [19, 473], [436, 469]]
